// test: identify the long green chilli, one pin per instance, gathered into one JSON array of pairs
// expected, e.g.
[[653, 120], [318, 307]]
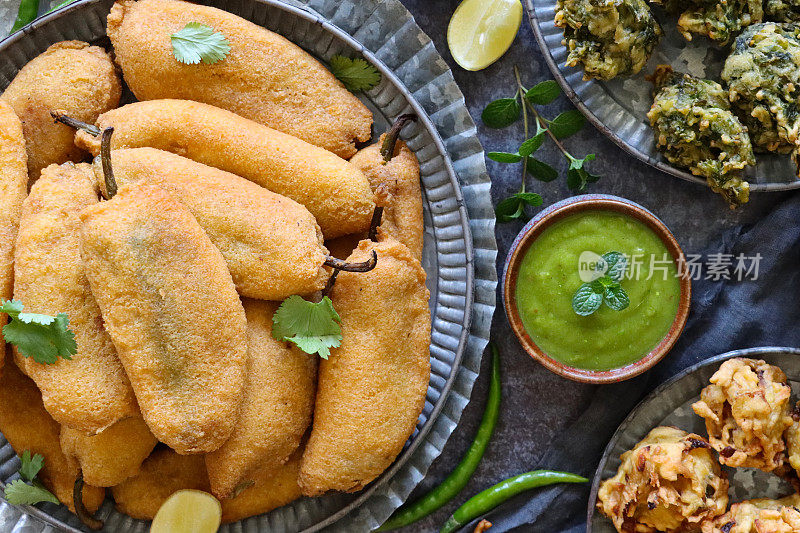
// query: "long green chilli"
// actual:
[[28, 9], [457, 479], [62, 4], [490, 498]]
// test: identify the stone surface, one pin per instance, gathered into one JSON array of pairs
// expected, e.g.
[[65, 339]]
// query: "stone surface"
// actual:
[[536, 403]]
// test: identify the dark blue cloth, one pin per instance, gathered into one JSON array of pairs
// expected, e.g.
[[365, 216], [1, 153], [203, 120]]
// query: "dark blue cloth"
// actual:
[[725, 315]]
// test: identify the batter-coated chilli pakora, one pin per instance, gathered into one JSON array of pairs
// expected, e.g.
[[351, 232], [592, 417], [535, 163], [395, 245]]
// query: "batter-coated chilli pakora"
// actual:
[[759, 516], [607, 38], [746, 410], [171, 308], [696, 130], [670, 481], [763, 78]]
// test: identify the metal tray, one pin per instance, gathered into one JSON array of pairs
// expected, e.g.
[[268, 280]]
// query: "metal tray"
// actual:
[[671, 405], [617, 107], [460, 248]]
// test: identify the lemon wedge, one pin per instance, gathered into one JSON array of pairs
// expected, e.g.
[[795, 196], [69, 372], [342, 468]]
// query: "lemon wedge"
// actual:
[[188, 511], [481, 31]]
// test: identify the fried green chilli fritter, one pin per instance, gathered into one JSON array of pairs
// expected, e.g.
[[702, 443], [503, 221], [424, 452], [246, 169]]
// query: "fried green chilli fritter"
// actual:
[[608, 37], [763, 76], [719, 20], [696, 130]]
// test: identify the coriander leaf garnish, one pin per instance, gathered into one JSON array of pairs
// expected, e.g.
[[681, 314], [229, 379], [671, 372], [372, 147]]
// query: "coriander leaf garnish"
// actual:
[[313, 327], [505, 112], [30, 466], [18, 492], [501, 113], [590, 296], [42, 337], [356, 74], [198, 42]]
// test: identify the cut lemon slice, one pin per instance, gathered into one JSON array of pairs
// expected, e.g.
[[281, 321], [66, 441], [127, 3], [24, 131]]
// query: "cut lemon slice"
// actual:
[[481, 31], [188, 511]]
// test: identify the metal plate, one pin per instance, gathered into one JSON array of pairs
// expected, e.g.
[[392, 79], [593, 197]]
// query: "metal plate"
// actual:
[[460, 248], [617, 107], [671, 405]]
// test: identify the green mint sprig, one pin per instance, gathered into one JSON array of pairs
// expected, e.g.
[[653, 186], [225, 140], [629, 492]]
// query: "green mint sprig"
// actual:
[[590, 296], [504, 112]]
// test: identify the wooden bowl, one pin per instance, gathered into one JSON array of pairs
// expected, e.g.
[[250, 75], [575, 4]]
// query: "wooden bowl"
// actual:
[[534, 228]]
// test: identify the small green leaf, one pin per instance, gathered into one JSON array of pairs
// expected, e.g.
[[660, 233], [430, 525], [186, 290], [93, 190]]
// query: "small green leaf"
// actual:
[[356, 74], [567, 123], [512, 208], [313, 327], [532, 144], [617, 263], [540, 170], [43, 338], [504, 157], [198, 42], [19, 493], [30, 466], [530, 198], [576, 180], [586, 301], [616, 298], [501, 113], [543, 93]]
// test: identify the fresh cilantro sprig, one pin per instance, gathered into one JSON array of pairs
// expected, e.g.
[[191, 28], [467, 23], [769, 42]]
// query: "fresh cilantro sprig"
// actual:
[[505, 112], [42, 337], [198, 42], [313, 327], [356, 74], [28, 490], [590, 296]]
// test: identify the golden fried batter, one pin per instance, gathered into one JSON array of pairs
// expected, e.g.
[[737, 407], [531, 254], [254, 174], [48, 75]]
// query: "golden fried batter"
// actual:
[[265, 77], [13, 188], [670, 481], [90, 392], [333, 190], [276, 409], [69, 76], [402, 218], [759, 516], [171, 308], [110, 457], [26, 426], [271, 244], [272, 488], [746, 409], [162, 474], [372, 389]]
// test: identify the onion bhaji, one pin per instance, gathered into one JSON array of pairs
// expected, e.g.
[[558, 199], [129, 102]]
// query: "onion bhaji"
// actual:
[[720, 21], [668, 482], [759, 516], [762, 74], [696, 130], [608, 37], [746, 409]]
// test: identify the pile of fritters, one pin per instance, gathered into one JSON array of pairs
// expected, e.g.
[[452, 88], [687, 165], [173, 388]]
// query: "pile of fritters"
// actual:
[[671, 480], [216, 198]]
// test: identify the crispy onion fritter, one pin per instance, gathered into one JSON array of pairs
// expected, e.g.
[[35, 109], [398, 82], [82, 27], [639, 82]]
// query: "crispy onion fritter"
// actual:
[[746, 409], [696, 130], [608, 38], [759, 516], [668, 482]]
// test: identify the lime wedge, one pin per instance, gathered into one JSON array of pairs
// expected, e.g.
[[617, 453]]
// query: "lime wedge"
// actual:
[[481, 31], [188, 511]]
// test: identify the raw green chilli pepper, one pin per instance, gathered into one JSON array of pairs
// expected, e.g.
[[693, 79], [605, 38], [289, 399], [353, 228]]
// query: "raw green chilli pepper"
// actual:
[[457, 479], [28, 9], [490, 498]]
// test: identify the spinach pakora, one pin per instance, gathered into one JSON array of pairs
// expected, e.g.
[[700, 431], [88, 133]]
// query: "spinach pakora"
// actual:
[[762, 74], [696, 130], [782, 10], [719, 20], [608, 37]]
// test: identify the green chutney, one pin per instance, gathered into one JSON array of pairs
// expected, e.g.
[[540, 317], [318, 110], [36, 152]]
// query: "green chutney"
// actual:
[[607, 339]]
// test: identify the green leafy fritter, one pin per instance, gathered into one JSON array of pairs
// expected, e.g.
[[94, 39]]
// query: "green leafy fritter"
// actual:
[[696, 130], [719, 20], [608, 38]]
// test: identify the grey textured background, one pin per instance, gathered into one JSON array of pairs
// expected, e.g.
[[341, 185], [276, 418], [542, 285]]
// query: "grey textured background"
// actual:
[[537, 404]]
